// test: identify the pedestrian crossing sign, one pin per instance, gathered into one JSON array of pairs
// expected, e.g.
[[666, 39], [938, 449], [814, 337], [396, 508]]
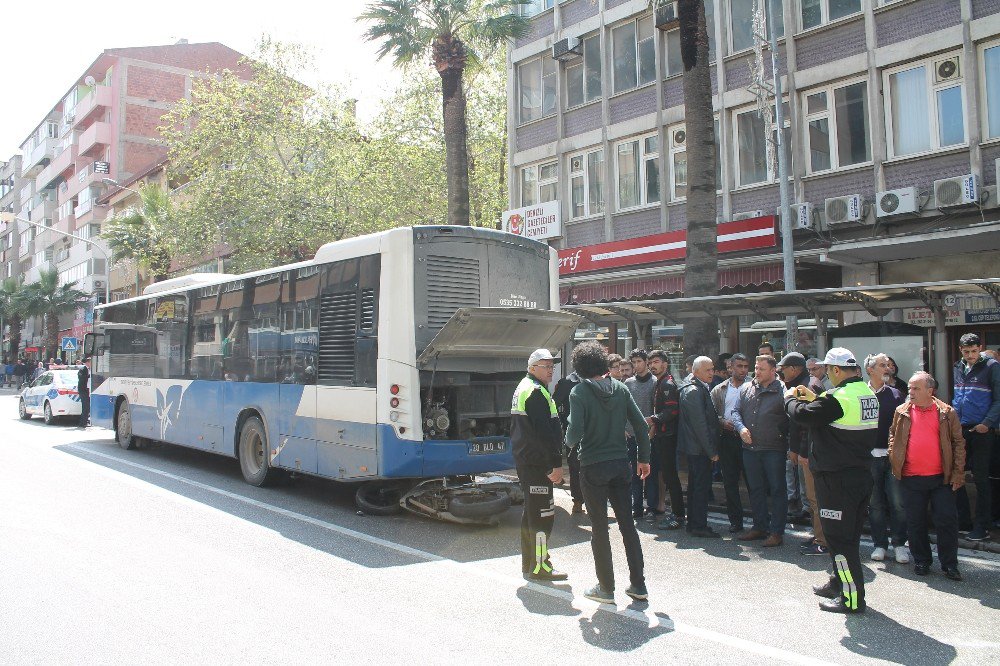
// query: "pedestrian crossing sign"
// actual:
[[70, 344]]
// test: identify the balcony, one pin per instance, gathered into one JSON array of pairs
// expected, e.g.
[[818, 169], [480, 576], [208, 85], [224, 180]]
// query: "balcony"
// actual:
[[96, 137], [55, 169], [89, 213], [39, 157], [97, 100]]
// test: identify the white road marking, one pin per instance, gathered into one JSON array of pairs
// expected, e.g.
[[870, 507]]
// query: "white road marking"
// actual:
[[648, 619]]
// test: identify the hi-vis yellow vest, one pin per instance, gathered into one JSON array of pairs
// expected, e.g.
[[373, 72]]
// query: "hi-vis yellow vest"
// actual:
[[859, 404]]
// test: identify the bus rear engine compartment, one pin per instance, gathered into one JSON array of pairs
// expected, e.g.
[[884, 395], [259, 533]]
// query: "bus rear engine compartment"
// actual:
[[464, 406]]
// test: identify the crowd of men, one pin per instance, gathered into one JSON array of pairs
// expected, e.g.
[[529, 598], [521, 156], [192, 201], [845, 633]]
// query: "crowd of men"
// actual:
[[850, 440], [22, 371]]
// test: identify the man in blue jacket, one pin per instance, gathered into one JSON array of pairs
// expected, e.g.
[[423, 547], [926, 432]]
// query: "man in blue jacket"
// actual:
[[976, 400]]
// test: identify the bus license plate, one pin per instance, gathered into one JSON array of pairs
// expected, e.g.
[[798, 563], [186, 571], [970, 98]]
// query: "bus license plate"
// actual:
[[486, 448]]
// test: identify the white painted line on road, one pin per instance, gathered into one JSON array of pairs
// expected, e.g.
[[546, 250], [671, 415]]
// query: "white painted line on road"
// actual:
[[649, 620]]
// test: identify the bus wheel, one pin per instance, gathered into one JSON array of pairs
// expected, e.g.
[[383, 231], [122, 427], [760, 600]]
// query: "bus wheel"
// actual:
[[376, 499], [123, 427], [254, 460]]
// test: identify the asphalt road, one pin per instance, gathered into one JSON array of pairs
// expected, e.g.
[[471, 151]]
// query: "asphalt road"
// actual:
[[165, 555]]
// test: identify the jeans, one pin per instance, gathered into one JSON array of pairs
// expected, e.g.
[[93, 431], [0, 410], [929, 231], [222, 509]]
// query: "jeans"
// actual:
[[699, 491], [768, 501], [603, 482], [573, 462], [668, 468], [792, 481], [886, 513], [650, 488], [731, 457], [85, 408], [978, 448], [917, 491]]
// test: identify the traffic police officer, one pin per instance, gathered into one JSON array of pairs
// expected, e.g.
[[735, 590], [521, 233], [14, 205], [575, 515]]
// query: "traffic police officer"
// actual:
[[843, 423], [536, 439]]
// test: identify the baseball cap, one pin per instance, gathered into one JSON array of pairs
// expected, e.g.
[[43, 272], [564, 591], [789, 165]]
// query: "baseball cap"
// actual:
[[541, 355], [792, 359], [841, 357]]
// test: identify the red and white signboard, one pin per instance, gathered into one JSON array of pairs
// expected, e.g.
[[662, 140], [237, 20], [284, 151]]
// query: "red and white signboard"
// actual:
[[539, 222], [757, 232]]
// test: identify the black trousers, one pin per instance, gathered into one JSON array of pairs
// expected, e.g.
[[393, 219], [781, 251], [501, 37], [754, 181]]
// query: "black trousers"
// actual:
[[85, 407], [699, 490], [843, 498], [668, 468], [917, 492], [731, 458], [978, 449], [538, 516], [606, 481], [573, 459]]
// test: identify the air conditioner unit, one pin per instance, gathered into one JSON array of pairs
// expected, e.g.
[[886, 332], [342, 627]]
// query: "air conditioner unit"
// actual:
[[567, 49], [678, 137], [803, 216], [666, 16], [959, 191], [750, 214], [843, 209], [98, 284], [947, 69], [989, 197], [897, 202]]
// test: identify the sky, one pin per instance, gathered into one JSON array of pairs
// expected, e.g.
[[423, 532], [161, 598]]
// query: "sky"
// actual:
[[47, 47]]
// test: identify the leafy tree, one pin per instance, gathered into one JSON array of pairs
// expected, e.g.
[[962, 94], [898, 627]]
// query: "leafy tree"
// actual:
[[12, 311], [455, 35], [145, 234], [49, 300]]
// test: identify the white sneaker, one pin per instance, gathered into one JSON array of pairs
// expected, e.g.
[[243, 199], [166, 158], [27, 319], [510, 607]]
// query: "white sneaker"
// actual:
[[878, 554], [902, 554]]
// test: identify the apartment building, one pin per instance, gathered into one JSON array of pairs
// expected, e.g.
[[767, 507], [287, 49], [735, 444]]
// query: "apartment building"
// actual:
[[893, 135], [10, 185], [105, 126]]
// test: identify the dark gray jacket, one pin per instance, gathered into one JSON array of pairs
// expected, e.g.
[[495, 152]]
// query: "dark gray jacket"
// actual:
[[698, 431], [761, 409]]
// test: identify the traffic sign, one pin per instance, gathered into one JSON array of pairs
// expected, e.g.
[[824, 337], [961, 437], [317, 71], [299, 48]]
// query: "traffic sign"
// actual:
[[69, 344]]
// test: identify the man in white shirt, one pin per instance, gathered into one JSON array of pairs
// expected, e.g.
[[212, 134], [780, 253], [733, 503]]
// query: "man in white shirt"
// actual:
[[886, 513], [726, 397]]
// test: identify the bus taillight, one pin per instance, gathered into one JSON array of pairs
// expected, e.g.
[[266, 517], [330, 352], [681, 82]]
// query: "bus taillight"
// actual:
[[394, 403], [394, 389]]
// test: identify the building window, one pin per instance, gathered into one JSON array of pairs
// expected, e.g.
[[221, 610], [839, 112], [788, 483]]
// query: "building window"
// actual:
[[741, 19], [638, 170], [991, 75], [926, 108], [753, 146], [677, 138], [586, 178], [539, 183], [837, 127], [818, 12], [583, 75], [532, 7], [634, 54], [536, 81], [673, 63]]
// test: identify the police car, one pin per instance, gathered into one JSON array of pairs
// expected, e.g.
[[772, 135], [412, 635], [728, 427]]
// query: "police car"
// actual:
[[53, 396]]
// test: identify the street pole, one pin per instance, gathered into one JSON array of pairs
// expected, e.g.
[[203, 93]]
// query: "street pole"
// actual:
[[107, 258], [787, 245]]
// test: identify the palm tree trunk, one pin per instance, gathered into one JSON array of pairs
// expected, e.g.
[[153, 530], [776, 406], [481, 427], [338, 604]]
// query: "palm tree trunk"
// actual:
[[52, 334], [701, 335], [14, 321], [456, 144]]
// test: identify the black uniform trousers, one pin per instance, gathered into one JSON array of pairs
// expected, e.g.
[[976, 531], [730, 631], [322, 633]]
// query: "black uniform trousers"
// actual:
[[843, 498], [85, 407], [539, 513]]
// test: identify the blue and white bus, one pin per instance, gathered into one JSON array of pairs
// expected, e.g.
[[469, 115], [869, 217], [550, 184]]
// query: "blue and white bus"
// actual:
[[389, 358]]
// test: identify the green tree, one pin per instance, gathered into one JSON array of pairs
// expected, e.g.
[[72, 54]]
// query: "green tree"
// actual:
[[146, 233], [12, 311], [454, 35], [49, 300]]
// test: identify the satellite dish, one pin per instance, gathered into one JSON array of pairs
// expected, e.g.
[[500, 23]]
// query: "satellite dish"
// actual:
[[90, 80]]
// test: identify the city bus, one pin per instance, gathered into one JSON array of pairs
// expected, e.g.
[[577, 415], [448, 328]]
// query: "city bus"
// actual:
[[387, 360]]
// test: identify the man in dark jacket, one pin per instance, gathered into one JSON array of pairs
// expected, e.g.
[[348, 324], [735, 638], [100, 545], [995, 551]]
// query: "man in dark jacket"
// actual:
[[762, 424], [663, 432], [536, 441], [561, 396], [698, 438], [843, 426], [599, 409], [83, 389], [976, 399]]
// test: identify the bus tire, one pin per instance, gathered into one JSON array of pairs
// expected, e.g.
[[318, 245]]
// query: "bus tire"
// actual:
[[480, 505], [377, 499], [255, 463], [123, 427]]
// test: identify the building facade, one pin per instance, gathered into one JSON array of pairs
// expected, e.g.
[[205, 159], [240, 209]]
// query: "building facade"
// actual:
[[893, 135]]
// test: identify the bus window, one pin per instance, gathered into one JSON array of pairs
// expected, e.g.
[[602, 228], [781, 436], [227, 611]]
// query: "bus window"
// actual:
[[169, 316], [299, 346]]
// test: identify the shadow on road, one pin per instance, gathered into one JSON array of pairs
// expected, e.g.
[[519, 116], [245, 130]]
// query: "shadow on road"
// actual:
[[876, 636], [613, 632]]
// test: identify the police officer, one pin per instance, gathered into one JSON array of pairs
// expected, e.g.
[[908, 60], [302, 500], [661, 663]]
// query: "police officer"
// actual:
[[843, 423], [536, 439], [83, 390]]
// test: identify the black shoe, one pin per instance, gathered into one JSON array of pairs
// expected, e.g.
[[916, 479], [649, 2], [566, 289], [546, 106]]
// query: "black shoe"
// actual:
[[921, 569], [671, 522], [704, 533], [546, 576], [831, 590], [600, 595], [978, 534], [735, 529], [952, 573], [637, 592], [838, 606]]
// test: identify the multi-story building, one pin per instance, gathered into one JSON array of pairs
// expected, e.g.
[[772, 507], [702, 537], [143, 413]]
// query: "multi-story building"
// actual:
[[10, 265], [105, 126], [893, 130]]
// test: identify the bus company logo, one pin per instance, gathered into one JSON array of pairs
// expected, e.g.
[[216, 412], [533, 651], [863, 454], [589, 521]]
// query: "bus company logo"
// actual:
[[515, 224]]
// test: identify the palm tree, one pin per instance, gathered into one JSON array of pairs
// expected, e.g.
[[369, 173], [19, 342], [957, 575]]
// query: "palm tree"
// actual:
[[143, 233], [454, 34], [48, 299], [12, 312]]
